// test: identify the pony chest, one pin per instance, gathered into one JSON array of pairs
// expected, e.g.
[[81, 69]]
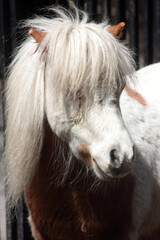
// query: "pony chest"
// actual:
[[72, 213], [107, 215]]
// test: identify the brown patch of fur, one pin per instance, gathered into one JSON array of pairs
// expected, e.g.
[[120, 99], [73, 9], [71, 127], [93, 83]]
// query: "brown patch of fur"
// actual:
[[133, 94], [85, 153], [71, 212]]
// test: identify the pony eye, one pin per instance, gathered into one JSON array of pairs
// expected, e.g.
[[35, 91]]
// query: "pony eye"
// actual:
[[78, 94]]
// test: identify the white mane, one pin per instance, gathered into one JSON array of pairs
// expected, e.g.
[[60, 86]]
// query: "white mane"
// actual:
[[74, 55]]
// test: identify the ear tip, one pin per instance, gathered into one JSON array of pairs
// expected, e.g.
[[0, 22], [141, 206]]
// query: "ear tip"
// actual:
[[31, 31], [116, 29], [120, 28], [37, 35], [122, 24]]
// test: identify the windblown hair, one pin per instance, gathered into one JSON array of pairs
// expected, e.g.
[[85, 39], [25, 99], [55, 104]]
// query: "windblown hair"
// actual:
[[73, 55]]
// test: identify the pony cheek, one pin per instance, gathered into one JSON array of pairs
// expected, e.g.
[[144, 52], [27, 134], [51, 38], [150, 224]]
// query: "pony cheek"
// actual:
[[58, 126], [82, 152], [85, 154]]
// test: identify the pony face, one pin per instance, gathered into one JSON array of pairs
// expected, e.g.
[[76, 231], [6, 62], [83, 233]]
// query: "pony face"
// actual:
[[94, 130], [86, 71]]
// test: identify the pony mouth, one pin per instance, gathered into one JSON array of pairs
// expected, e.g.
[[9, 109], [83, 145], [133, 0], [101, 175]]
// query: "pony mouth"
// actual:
[[121, 172]]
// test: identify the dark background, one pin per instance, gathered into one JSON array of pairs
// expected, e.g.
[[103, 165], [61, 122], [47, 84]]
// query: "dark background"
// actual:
[[142, 33]]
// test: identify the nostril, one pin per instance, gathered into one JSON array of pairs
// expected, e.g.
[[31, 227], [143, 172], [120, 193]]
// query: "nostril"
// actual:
[[115, 158]]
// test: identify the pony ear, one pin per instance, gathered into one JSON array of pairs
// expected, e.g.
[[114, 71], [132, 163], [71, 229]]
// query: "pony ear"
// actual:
[[37, 35], [116, 30]]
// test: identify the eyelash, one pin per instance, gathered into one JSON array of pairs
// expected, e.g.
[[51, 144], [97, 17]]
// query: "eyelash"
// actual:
[[77, 95]]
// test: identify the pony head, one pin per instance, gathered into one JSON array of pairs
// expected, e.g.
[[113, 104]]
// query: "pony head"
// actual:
[[72, 74]]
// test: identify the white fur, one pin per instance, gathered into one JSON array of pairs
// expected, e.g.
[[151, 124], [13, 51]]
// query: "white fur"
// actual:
[[143, 124]]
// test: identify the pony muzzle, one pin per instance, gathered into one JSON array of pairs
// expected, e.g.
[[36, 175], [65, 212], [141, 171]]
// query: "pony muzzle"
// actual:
[[119, 166]]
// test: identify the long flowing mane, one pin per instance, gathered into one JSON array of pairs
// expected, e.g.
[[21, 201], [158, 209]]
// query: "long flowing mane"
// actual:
[[75, 54]]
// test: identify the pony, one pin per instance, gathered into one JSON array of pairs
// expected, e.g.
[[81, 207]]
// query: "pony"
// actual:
[[82, 139]]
